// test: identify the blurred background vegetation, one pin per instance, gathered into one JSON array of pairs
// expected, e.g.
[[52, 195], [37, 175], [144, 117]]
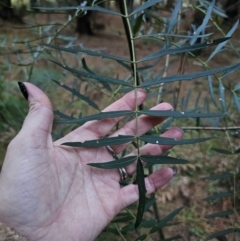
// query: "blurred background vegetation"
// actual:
[[28, 25]]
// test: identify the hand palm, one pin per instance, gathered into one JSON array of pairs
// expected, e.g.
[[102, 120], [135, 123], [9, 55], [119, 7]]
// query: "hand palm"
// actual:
[[49, 190]]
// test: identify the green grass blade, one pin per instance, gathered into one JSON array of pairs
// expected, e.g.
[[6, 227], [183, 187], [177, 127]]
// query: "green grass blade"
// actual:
[[162, 160], [170, 141], [140, 180], [106, 141], [222, 151], [122, 162]]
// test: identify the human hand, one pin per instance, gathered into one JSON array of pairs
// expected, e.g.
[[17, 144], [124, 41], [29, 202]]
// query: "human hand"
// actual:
[[47, 190]]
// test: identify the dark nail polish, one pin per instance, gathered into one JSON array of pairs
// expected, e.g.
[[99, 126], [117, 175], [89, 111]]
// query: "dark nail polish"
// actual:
[[174, 170], [23, 90]]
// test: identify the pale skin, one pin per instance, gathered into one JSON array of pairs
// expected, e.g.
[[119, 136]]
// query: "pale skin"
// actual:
[[47, 190]]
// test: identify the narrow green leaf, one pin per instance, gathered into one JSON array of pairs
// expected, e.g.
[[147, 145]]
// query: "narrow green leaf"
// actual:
[[77, 94], [87, 52], [184, 77], [122, 162], [218, 177], [138, 23], [142, 237], [178, 114], [142, 192], [162, 160], [210, 87], [124, 219], [221, 233], [220, 214], [165, 220], [236, 100], [221, 90], [97, 77], [106, 141], [226, 152], [219, 195], [170, 141], [100, 116], [185, 49], [83, 8], [105, 84], [62, 115], [231, 70], [149, 203], [145, 6]]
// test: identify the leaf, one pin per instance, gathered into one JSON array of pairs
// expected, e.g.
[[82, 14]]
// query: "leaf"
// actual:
[[218, 177], [87, 52], [170, 141], [236, 100], [142, 237], [83, 8], [173, 78], [162, 160], [219, 195], [144, 6], [220, 214], [105, 85], [221, 90], [164, 221], [122, 162], [92, 76], [210, 87], [184, 49], [221, 233], [137, 24], [140, 180], [149, 204], [124, 219], [226, 152], [62, 115], [106, 141], [99, 116], [178, 114], [221, 45], [77, 94]]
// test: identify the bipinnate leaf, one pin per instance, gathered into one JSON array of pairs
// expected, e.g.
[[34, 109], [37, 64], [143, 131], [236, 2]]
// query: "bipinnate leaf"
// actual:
[[170, 141], [164, 221], [77, 94], [178, 114], [220, 214], [122, 162], [106, 141], [100, 116], [218, 177], [221, 233], [219, 195], [97, 77], [140, 181], [162, 160]]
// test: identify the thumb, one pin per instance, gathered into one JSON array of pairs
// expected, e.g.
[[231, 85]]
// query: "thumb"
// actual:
[[38, 122]]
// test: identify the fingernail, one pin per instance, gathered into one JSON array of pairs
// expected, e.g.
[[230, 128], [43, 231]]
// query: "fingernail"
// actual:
[[23, 90], [174, 169]]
